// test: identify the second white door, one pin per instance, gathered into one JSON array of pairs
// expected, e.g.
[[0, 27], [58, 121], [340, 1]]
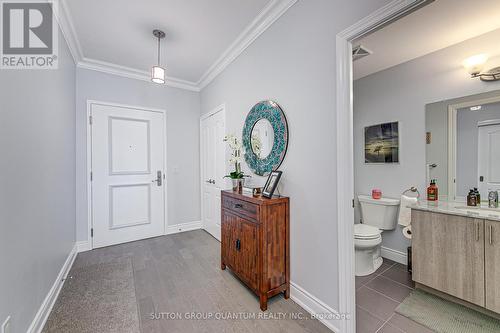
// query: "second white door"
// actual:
[[128, 149], [212, 170], [489, 157]]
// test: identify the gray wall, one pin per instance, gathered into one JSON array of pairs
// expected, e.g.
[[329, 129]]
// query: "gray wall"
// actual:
[[467, 143], [401, 93], [293, 63], [183, 115], [37, 197]]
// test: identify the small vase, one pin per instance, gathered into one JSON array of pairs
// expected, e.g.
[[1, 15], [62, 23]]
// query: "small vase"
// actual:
[[238, 184]]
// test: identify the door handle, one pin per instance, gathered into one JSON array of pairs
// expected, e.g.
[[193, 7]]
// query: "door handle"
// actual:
[[238, 244], [158, 178], [238, 206], [208, 181]]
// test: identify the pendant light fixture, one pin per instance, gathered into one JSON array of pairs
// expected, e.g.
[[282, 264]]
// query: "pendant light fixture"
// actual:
[[158, 72]]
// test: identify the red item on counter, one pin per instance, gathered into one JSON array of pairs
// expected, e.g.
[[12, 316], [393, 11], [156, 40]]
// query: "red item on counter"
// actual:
[[376, 193]]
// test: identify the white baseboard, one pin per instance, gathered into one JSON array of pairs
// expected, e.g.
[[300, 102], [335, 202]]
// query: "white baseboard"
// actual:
[[83, 246], [47, 304], [182, 227], [314, 306], [394, 255]]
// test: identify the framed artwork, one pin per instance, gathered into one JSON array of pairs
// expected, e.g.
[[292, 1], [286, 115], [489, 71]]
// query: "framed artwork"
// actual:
[[382, 143], [271, 184]]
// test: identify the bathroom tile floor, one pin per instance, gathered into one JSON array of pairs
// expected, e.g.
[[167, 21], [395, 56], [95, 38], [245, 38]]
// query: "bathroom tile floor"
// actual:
[[378, 295]]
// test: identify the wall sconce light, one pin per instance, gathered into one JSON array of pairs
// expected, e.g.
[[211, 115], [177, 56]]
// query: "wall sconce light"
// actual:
[[475, 64]]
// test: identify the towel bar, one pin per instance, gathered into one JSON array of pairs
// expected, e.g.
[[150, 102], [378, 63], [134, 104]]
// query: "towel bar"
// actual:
[[412, 189]]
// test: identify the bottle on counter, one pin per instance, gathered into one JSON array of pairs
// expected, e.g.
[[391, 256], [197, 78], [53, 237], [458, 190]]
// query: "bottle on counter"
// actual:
[[493, 199], [472, 198], [432, 191], [478, 196]]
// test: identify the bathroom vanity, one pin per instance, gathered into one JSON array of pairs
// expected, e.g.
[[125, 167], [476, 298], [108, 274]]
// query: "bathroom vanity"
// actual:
[[456, 252]]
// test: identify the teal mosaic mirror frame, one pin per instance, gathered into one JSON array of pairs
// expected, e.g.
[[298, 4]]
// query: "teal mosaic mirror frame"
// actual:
[[274, 114]]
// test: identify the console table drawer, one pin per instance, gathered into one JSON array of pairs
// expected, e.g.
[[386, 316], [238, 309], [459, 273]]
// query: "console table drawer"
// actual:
[[241, 207]]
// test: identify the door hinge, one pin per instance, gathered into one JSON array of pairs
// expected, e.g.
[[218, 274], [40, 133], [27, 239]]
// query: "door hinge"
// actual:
[[91, 176], [352, 203], [91, 232], [90, 120]]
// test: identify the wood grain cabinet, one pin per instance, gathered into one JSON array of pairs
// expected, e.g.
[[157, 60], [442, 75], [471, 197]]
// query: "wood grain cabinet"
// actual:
[[458, 256], [255, 242], [492, 265], [447, 254]]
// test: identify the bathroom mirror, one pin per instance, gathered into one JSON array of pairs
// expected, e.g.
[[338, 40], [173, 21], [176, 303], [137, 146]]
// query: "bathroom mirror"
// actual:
[[463, 145], [265, 137], [262, 138]]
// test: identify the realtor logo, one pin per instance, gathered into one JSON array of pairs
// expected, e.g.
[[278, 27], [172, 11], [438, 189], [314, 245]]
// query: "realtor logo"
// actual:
[[29, 35]]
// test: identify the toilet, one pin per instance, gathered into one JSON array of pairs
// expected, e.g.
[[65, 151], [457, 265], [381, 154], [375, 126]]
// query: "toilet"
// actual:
[[377, 215]]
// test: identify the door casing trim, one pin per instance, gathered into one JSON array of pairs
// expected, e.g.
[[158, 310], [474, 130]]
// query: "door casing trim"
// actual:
[[345, 149], [452, 140]]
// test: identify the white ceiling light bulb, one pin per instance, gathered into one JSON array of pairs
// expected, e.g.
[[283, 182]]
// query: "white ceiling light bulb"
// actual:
[[475, 64], [158, 72]]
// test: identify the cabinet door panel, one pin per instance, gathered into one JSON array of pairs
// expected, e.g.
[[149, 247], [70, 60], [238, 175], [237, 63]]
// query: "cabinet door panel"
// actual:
[[492, 265], [448, 254], [230, 233], [249, 233]]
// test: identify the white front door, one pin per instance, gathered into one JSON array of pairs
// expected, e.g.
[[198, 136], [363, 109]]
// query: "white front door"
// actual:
[[128, 147], [489, 159], [212, 171]]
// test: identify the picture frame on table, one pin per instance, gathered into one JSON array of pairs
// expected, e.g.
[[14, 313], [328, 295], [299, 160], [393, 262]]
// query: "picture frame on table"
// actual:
[[271, 184]]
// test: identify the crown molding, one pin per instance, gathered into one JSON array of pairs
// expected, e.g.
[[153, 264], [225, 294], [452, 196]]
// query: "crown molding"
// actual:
[[132, 73], [63, 17], [394, 10], [269, 14]]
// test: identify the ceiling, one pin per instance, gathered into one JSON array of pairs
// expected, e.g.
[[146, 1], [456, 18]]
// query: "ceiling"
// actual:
[[436, 26], [119, 33]]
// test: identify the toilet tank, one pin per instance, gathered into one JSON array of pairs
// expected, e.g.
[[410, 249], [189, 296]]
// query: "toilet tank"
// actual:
[[381, 213]]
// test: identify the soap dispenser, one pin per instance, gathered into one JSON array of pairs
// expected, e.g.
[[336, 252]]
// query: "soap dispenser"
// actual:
[[432, 191]]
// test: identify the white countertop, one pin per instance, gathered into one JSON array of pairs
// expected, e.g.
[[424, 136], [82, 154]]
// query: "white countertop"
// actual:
[[458, 208]]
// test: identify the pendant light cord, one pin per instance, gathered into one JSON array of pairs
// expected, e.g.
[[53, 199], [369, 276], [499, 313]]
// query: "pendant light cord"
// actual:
[[158, 51]]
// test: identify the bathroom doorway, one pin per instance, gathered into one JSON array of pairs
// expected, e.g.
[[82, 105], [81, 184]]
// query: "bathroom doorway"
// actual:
[[396, 72]]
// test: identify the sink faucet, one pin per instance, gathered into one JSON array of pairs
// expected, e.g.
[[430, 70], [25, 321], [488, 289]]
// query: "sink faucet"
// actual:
[[493, 199]]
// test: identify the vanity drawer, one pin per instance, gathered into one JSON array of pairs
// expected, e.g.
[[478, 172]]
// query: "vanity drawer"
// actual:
[[241, 207]]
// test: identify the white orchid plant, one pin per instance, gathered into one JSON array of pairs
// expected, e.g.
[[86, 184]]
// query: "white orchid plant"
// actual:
[[235, 145]]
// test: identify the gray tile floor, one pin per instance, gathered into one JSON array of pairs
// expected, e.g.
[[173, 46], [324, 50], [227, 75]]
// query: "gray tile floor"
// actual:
[[378, 295], [181, 274]]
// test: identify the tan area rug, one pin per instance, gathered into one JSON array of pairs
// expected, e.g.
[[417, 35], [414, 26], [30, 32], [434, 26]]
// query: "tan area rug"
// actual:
[[98, 298], [443, 316]]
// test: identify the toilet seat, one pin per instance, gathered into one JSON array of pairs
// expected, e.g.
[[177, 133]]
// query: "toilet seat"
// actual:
[[364, 231]]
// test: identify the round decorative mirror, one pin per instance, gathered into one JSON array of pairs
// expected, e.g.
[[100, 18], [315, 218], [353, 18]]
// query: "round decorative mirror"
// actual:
[[265, 137]]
